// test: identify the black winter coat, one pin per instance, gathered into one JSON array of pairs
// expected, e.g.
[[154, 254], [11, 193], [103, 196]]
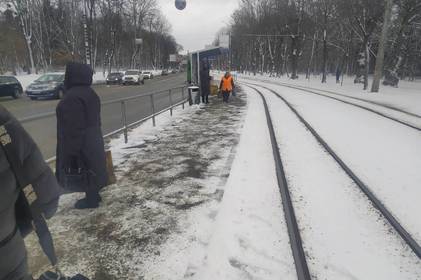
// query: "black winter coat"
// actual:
[[205, 80], [35, 172], [79, 135]]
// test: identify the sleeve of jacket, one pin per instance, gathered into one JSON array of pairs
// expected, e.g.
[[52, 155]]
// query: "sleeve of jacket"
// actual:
[[34, 169], [73, 125]]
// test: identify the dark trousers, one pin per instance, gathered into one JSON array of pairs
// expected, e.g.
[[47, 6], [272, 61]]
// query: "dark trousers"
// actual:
[[92, 192], [205, 98], [226, 96], [92, 195]]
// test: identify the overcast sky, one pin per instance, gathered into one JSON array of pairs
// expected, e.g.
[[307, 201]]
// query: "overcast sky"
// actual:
[[197, 25]]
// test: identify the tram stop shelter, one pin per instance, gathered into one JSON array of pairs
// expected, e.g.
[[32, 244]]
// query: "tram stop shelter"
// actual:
[[197, 58]]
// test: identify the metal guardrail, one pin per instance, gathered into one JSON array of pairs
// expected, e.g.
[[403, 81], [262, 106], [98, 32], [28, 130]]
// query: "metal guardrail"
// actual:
[[123, 101]]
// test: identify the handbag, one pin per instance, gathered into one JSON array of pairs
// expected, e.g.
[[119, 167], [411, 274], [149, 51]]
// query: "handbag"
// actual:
[[76, 177], [76, 180]]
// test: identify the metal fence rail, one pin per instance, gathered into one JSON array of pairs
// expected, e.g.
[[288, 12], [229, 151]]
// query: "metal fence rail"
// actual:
[[126, 125]]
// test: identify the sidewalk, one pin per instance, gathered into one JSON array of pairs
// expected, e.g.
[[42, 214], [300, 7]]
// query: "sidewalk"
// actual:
[[171, 179]]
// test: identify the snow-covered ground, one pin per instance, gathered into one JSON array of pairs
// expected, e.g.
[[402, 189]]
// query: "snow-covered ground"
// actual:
[[406, 97], [385, 154], [26, 80], [154, 222], [343, 236], [249, 239], [194, 200]]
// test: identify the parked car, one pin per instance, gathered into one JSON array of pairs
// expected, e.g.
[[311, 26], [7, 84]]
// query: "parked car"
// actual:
[[47, 86], [173, 71], [147, 75], [10, 86], [114, 78], [164, 73], [133, 77]]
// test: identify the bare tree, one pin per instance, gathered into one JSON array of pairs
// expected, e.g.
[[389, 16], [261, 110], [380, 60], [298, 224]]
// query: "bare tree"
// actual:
[[24, 12], [378, 73]]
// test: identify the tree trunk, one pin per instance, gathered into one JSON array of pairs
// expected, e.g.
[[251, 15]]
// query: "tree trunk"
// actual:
[[367, 63], [294, 58], [285, 66], [324, 78], [311, 56], [378, 73], [31, 55]]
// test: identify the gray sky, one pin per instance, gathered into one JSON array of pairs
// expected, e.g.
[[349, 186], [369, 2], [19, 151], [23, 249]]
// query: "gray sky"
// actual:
[[197, 25]]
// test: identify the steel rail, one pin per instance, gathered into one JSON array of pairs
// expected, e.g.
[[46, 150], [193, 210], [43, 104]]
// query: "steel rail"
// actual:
[[349, 103], [298, 253], [362, 100], [350, 97], [405, 235]]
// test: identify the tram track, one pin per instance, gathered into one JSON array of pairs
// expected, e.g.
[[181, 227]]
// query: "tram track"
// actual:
[[377, 203], [382, 114], [290, 218]]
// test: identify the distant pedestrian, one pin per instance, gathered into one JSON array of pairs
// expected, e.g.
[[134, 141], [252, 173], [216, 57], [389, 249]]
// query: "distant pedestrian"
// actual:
[[338, 75], [22, 170], [205, 83], [226, 86], [80, 145]]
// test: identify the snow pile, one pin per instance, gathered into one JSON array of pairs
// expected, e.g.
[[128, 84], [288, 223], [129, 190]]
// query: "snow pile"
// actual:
[[26, 80]]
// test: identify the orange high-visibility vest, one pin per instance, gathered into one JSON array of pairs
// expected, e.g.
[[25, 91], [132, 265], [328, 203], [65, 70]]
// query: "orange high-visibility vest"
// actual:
[[226, 83]]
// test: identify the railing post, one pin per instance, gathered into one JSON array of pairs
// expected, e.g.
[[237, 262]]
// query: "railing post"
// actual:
[[182, 96], [153, 110], [124, 119], [171, 103]]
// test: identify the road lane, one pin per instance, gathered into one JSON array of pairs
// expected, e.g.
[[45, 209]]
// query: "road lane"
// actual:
[[44, 130], [25, 107]]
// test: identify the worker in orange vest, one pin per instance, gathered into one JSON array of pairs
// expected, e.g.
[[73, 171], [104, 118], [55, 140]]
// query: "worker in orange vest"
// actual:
[[226, 86]]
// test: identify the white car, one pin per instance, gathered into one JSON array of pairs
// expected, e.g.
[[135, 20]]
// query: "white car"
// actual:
[[147, 75], [132, 77]]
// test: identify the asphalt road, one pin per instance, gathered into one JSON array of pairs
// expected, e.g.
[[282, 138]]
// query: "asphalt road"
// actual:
[[44, 130]]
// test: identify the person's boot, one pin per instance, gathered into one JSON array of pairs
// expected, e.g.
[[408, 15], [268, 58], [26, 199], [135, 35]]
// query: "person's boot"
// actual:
[[49, 275], [91, 201], [85, 204]]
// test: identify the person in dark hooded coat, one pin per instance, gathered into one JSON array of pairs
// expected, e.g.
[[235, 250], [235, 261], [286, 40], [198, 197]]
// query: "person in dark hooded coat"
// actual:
[[205, 82], [80, 142], [32, 171]]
